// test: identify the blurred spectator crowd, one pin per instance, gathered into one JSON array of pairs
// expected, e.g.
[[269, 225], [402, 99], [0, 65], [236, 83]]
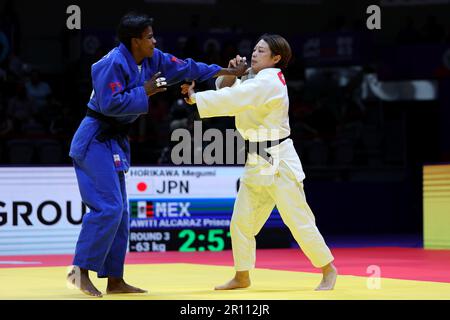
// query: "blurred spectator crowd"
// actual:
[[331, 125], [34, 122]]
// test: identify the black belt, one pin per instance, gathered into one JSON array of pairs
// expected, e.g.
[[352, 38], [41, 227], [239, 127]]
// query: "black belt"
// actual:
[[110, 128], [258, 148]]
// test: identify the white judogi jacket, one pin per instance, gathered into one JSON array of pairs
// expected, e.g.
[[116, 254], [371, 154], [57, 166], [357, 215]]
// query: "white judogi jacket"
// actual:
[[260, 106]]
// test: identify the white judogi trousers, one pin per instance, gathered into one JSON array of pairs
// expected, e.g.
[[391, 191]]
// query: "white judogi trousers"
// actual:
[[253, 206]]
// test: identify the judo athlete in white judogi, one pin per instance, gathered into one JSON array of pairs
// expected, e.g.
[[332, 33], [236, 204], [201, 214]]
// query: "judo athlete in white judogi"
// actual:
[[272, 176]]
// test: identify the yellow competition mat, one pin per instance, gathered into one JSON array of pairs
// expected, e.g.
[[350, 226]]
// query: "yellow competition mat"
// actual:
[[181, 281]]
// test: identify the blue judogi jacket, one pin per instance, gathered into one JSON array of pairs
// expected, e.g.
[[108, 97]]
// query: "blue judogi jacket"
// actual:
[[118, 92]]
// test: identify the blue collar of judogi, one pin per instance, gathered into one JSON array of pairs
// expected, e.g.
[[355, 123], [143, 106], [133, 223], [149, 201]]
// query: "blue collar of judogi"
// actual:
[[128, 56]]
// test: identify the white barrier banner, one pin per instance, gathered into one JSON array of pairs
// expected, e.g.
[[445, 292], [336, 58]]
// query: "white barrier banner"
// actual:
[[41, 207]]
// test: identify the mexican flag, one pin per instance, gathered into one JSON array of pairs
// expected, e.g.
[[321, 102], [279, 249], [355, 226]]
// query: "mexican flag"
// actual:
[[142, 209]]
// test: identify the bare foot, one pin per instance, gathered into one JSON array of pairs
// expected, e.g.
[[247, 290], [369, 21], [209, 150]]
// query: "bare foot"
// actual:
[[329, 278], [240, 280], [79, 278], [118, 285]]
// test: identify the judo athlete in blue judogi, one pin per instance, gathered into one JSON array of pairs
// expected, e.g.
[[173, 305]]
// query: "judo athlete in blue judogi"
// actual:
[[122, 82]]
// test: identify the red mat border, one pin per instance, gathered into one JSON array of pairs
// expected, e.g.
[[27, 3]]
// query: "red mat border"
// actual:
[[397, 263]]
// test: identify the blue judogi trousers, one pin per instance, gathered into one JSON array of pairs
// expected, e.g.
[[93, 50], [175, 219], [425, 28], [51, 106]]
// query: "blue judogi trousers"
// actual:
[[103, 240]]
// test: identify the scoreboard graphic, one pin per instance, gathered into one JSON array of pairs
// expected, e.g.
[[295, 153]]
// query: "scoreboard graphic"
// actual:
[[189, 209]]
